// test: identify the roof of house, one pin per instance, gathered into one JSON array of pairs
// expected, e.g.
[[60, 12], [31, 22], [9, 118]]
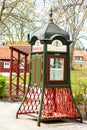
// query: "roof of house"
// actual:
[[5, 51], [81, 53], [24, 49]]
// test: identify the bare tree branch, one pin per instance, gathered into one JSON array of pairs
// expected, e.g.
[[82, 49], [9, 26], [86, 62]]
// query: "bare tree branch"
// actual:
[[2, 9]]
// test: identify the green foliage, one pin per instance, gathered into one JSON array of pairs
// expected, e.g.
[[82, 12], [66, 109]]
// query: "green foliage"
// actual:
[[2, 86], [79, 84], [79, 99], [20, 78], [78, 78]]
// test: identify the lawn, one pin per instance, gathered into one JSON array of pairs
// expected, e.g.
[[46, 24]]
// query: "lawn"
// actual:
[[78, 78], [15, 78], [79, 81]]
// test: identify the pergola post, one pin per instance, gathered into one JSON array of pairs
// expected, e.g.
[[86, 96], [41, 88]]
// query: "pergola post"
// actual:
[[17, 86]]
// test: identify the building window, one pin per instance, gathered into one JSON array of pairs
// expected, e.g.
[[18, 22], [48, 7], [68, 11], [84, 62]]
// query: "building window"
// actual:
[[21, 66], [6, 64], [78, 58]]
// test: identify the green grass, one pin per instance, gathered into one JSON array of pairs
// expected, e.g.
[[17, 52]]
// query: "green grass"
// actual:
[[15, 78], [79, 81], [7, 78], [79, 71], [21, 78]]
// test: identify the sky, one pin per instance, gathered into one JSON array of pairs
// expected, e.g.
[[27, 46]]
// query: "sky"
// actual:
[[43, 9], [84, 33]]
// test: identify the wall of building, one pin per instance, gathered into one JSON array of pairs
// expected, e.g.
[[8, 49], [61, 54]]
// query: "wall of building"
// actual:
[[7, 69], [80, 64]]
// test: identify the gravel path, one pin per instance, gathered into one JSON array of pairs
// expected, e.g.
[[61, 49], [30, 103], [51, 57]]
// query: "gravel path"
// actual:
[[8, 121]]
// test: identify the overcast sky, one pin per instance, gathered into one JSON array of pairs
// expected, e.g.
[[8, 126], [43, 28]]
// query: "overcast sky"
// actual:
[[43, 9]]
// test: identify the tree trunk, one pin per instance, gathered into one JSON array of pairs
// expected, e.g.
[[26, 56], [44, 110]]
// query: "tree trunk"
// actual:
[[72, 54]]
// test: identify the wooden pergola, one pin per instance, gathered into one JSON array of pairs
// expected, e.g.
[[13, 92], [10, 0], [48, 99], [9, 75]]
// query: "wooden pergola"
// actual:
[[18, 60]]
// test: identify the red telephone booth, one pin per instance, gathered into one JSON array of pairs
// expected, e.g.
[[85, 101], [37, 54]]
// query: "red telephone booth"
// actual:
[[49, 96]]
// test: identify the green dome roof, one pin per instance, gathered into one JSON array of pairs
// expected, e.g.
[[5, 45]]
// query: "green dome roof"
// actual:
[[47, 31], [50, 32]]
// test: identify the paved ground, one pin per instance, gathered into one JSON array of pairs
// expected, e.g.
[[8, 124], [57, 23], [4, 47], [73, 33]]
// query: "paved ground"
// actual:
[[9, 122]]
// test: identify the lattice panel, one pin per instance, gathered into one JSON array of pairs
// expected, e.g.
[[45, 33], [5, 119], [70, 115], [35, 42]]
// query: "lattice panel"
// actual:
[[31, 102], [58, 103]]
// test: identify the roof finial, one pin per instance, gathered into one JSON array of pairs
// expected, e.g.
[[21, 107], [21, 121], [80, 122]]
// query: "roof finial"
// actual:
[[50, 15]]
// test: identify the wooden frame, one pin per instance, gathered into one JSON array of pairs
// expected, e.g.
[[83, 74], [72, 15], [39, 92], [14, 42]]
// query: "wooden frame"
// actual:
[[56, 69]]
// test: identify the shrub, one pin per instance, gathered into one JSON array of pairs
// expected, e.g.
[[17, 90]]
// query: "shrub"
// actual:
[[79, 99], [2, 86]]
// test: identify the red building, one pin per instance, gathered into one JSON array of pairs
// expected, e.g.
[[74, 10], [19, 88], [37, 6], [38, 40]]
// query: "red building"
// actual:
[[5, 56], [80, 59]]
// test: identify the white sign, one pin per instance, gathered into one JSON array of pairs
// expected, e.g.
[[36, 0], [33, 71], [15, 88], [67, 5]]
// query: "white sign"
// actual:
[[60, 49], [38, 47], [57, 46]]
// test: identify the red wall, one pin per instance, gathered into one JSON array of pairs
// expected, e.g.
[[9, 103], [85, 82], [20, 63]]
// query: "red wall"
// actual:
[[2, 69]]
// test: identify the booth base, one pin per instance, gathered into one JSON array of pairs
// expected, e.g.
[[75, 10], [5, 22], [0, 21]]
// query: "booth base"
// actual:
[[58, 103]]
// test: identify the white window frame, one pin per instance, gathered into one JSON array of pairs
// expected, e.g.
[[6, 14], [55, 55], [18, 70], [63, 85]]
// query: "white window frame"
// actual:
[[7, 64], [21, 66]]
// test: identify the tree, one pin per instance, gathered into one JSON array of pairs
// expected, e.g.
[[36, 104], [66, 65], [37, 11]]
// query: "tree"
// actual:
[[6, 9], [74, 14], [71, 15], [17, 18]]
